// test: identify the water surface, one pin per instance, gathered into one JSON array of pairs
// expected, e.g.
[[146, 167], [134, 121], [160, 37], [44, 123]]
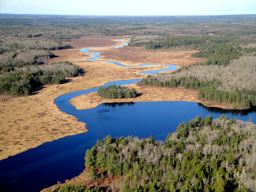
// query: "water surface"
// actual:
[[63, 159]]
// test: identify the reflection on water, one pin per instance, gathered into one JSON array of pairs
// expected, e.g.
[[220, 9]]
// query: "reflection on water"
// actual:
[[63, 159], [118, 104], [244, 112]]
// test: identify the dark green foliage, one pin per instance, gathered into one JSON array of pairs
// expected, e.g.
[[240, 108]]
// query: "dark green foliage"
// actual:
[[184, 162], [218, 50], [23, 81], [16, 83], [187, 82], [69, 188], [175, 42], [2, 50], [74, 188], [52, 78], [6, 68], [242, 98], [219, 54], [207, 90], [250, 50], [207, 121], [115, 92]]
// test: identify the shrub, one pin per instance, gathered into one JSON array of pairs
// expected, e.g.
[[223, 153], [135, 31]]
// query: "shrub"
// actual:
[[207, 90], [23, 81], [183, 162], [115, 92], [16, 83]]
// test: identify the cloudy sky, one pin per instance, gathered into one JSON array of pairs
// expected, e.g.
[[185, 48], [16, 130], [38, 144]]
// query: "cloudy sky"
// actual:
[[129, 7]]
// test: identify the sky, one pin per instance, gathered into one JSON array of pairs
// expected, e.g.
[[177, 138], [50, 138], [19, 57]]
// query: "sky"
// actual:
[[129, 7]]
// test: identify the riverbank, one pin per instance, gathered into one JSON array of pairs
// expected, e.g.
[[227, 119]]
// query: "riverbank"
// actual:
[[147, 94], [84, 180], [27, 122]]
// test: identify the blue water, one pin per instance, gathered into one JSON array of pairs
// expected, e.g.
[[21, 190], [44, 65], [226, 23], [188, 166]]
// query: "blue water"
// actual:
[[63, 159], [84, 50], [118, 63], [94, 56], [166, 68]]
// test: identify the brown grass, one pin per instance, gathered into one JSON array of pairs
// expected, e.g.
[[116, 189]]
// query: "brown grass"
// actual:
[[148, 94], [93, 42], [141, 55], [84, 179], [26, 122]]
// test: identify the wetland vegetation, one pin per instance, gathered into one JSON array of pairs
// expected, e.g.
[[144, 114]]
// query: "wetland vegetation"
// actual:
[[226, 76], [202, 155], [117, 92]]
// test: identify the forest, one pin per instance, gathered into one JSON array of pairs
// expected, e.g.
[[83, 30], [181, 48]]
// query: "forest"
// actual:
[[207, 90], [219, 43], [25, 80], [226, 76], [202, 155], [117, 92], [24, 56], [218, 50]]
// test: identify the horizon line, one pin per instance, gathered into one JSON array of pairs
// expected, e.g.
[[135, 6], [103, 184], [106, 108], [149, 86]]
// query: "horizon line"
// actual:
[[44, 14]]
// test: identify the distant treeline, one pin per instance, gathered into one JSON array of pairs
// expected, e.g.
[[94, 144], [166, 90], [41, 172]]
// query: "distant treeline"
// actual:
[[23, 81], [166, 43], [202, 155], [217, 50], [188, 41], [24, 58], [207, 90], [115, 92]]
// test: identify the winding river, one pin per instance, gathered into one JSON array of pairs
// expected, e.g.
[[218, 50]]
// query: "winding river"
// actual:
[[63, 159]]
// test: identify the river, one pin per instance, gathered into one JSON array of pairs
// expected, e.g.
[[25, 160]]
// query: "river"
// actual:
[[63, 159]]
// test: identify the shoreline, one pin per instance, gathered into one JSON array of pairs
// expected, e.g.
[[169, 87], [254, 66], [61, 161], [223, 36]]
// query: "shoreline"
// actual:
[[92, 100], [29, 121], [37, 120]]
